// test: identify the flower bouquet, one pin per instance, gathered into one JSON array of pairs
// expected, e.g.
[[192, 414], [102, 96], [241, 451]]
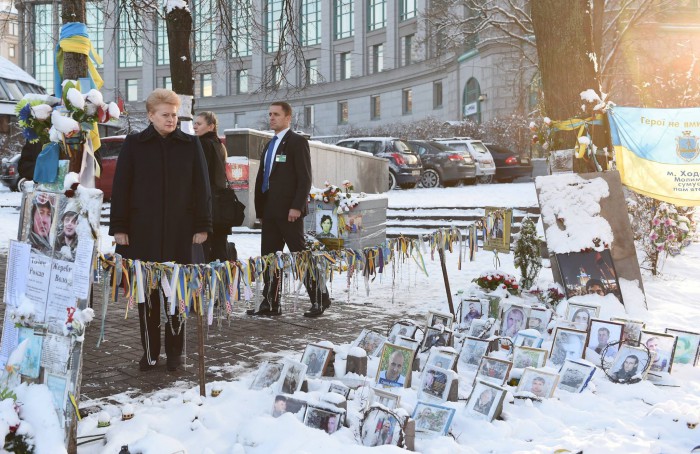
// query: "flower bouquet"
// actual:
[[493, 280], [344, 201]]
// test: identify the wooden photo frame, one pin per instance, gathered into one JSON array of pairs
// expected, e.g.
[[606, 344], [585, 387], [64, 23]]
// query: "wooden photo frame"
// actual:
[[498, 226], [316, 358]]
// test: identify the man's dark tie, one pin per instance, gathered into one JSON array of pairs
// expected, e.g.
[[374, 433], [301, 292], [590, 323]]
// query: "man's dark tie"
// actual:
[[268, 164]]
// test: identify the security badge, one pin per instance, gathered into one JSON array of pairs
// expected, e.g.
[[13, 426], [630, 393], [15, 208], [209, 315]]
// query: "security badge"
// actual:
[[281, 158]]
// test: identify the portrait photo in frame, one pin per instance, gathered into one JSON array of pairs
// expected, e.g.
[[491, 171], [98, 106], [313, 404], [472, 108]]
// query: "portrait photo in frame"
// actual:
[[630, 364], [527, 340], [662, 348], [439, 357], [326, 224], [435, 337], [380, 427], [589, 272], [339, 388], [472, 309], [435, 384], [567, 344], [687, 346], [433, 419], [402, 341], [370, 341], [632, 331], [580, 315], [436, 318], [600, 335], [539, 319], [385, 398], [292, 376], [486, 400], [498, 225], [395, 365], [482, 328], [493, 370], [473, 349], [285, 404], [316, 358], [513, 319], [269, 374], [529, 357], [539, 382], [323, 418], [574, 375], [404, 329]]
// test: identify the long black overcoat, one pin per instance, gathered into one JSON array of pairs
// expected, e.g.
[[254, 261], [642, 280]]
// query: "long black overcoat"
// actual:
[[160, 196]]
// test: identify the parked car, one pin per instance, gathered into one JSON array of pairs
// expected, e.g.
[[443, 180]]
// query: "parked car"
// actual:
[[442, 165], [9, 175], [485, 167], [509, 165], [404, 165]]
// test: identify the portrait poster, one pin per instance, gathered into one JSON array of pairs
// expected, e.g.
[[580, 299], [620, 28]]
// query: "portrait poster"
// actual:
[[604, 336], [395, 366], [538, 382], [380, 428], [662, 348], [326, 224], [567, 344], [285, 404], [32, 359], [575, 375], [687, 346], [38, 222], [630, 365], [590, 272], [498, 225], [486, 400], [433, 419]]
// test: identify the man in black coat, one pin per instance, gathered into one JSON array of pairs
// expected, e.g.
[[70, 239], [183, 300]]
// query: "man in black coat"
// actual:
[[281, 191], [161, 206]]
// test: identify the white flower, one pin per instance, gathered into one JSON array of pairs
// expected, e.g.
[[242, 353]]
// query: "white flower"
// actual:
[[94, 97], [54, 135], [583, 140], [114, 111], [547, 120], [65, 125], [41, 111], [75, 98]]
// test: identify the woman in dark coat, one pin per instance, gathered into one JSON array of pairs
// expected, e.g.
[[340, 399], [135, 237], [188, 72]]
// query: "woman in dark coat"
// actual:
[[205, 126], [161, 205]]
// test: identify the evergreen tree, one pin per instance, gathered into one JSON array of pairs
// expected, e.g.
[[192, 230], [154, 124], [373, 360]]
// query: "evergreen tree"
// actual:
[[527, 253]]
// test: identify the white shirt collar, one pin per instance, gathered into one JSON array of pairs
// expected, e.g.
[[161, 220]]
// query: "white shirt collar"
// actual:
[[281, 133]]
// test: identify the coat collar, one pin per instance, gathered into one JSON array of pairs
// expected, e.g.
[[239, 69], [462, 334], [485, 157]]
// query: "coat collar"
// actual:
[[150, 133]]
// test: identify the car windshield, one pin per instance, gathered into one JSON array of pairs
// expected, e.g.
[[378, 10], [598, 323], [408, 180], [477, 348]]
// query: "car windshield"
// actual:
[[480, 147], [401, 146]]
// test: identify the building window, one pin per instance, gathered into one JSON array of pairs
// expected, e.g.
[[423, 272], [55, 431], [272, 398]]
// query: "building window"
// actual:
[[11, 51], [407, 9], [95, 22], [132, 89], [407, 49], [407, 101], [275, 19], [377, 54], [376, 14], [14, 28], [167, 83], [311, 71], [437, 95], [238, 119], [310, 22], [344, 13], [241, 21], [275, 79], [129, 39], [471, 106], [242, 81], [344, 66], [206, 88], [374, 108], [343, 112], [204, 22], [162, 49], [43, 45], [309, 116]]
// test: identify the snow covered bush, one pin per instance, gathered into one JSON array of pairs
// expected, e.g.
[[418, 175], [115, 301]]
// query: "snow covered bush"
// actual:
[[17, 433], [550, 295], [527, 253]]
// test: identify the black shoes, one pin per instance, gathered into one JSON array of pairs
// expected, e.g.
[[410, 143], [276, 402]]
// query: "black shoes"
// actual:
[[263, 310], [144, 366], [314, 312], [173, 363]]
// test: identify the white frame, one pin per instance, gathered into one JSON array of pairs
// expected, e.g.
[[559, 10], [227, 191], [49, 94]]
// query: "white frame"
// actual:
[[485, 377], [521, 349], [544, 320], [363, 335], [593, 328], [263, 370], [430, 320], [423, 390], [483, 305], [496, 404], [626, 350], [530, 373], [521, 337], [462, 359], [371, 422], [573, 332], [288, 366], [311, 408], [435, 353], [646, 335], [504, 318], [379, 394], [397, 327], [420, 408], [313, 348], [587, 370], [572, 308]]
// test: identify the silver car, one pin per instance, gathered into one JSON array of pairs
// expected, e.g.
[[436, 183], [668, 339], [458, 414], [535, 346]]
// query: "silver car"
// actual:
[[485, 166]]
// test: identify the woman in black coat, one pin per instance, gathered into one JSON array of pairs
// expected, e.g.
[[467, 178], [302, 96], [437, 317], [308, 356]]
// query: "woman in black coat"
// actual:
[[161, 206], [205, 126]]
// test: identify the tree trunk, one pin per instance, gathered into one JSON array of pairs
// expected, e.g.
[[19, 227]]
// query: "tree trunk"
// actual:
[[179, 23], [563, 31]]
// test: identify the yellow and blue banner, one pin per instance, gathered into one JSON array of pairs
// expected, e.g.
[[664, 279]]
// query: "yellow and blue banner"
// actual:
[[657, 152]]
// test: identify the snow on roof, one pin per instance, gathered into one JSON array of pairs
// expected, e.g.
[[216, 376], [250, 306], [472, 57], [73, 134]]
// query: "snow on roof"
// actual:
[[9, 70]]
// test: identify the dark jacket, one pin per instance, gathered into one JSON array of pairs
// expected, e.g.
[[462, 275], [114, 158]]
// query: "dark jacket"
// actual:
[[27, 160], [160, 196], [216, 163], [290, 179]]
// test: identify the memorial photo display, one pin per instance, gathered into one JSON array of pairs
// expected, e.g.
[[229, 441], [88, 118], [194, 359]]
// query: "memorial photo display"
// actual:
[[395, 366], [590, 272]]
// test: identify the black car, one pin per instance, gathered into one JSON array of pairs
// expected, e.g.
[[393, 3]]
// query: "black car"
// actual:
[[509, 165], [443, 165], [404, 165], [9, 174]]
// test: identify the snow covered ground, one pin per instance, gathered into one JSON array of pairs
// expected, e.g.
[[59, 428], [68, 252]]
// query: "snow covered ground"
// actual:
[[605, 418]]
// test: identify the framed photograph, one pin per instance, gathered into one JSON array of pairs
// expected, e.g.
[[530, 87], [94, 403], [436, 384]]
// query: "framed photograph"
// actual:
[[436, 319], [527, 340], [395, 365], [385, 398], [481, 329], [316, 358], [561, 161], [662, 347], [630, 364], [498, 223], [539, 319], [493, 370], [432, 418], [326, 224], [632, 331], [440, 358], [539, 382], [529, 357], [575, 375], [687, 346], [269, 374], [567, 344], [407, 342], [39, 221], [590, 272], [601, 334], [435, 337], [513, 318], [59, 386], [370, 341], [293, 376], [404, 329], [580, 315], [322, 418], [435, 384], [486, 400], [380, 427], [472, 309], [286, 404], [339, 388], [473, 349], [353, 224], [31, 364]]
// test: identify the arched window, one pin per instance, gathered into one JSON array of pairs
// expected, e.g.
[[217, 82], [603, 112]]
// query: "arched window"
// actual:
[[471, 104]]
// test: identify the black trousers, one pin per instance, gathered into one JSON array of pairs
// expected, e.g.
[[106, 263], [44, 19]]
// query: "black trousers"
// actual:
[[215, 246], [149, 321], [276, 232]]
